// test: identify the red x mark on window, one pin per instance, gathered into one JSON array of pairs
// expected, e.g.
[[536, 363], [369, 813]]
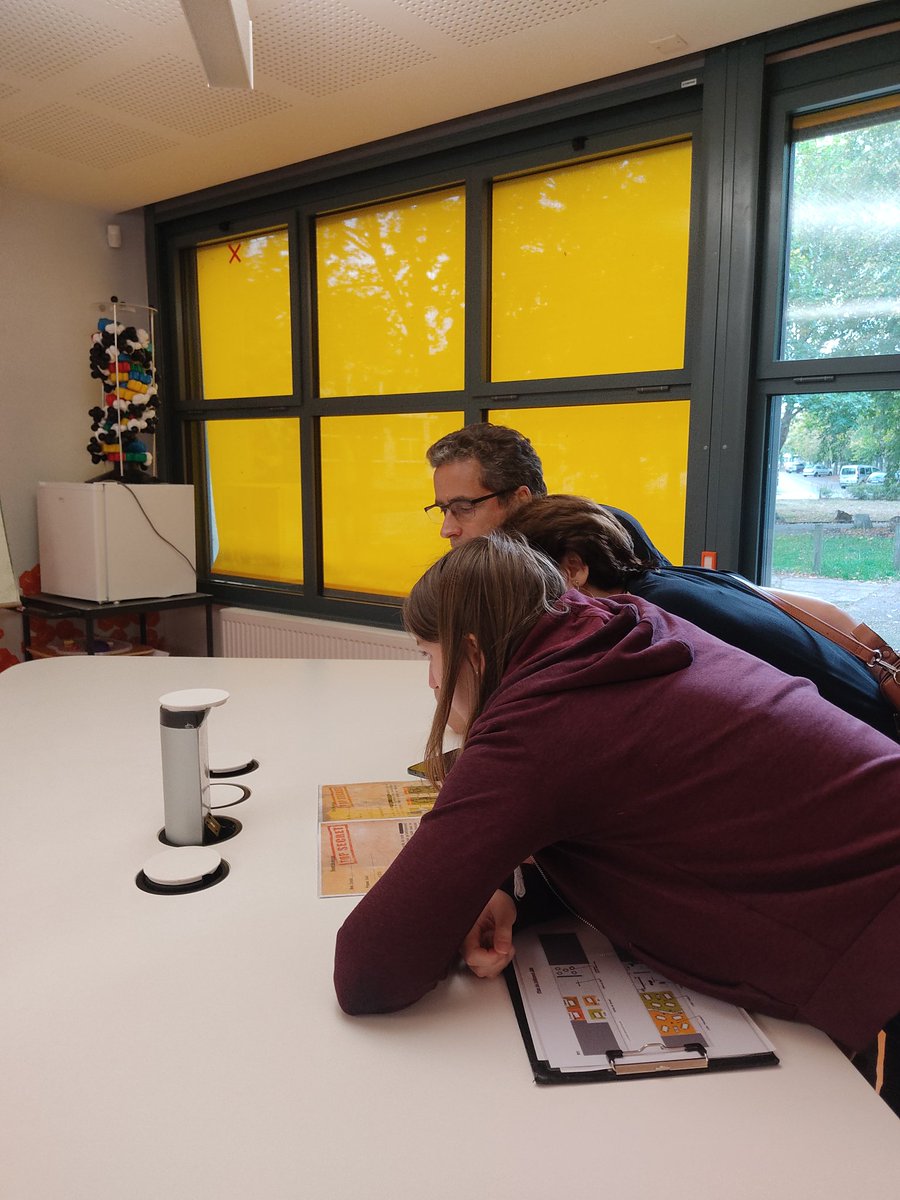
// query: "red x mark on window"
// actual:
[[235, 257]]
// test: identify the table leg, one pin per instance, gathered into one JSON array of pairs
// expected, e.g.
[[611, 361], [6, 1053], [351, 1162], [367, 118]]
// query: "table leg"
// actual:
[[89, 635], [26, 635]]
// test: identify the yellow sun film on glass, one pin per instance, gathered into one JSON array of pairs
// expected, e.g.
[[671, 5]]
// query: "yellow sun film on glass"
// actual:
[[858, 111], [589, 267], [631, 456], [244, 300], [254, 499], [375, 484], [390, 283]]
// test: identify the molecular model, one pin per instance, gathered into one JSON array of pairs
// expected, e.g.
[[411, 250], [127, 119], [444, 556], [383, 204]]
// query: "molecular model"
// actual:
[[122, 359]]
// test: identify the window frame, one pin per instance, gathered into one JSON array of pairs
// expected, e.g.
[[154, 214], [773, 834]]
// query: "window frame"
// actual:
[[785, 104], [589, 136], [729, 94], [830, 78]]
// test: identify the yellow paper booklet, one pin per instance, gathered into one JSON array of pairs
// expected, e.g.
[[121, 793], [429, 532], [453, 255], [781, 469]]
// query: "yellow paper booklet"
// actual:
[[362, 829], [354, 801]]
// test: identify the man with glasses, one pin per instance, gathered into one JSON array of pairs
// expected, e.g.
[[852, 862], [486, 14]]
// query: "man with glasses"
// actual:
[[483, 472]]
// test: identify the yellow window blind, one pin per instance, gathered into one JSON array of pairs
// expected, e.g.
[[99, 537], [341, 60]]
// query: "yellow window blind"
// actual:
[[244, 300], [390, 283], [254, 498], [589, 266], [632, 456], [375, 483]]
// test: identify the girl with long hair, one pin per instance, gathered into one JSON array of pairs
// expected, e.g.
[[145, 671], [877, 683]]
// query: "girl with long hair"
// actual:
[[712, 816]]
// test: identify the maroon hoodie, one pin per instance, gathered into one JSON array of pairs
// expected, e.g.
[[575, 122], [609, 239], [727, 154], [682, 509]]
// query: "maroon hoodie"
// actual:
[[708, 813]]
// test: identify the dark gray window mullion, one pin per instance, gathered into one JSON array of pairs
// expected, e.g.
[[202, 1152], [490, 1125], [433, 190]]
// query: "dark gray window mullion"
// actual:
[[306, 374], [731, 148], [478, 292]]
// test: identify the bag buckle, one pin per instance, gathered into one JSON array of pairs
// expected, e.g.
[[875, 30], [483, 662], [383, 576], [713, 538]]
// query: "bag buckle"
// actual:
[[892, 668]]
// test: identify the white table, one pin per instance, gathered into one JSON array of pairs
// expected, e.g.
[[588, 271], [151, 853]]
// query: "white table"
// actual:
[[191, 1046]]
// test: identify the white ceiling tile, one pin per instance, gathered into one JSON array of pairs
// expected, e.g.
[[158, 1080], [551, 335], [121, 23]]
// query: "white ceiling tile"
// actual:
[[82, 137], [41, 39], [323, 46], [171, 92], [89, 84], [473, 22]]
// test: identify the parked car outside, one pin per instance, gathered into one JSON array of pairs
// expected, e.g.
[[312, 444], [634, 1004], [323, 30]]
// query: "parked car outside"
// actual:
[[876, 477], [817, 469], [797, 465], [854, 473]]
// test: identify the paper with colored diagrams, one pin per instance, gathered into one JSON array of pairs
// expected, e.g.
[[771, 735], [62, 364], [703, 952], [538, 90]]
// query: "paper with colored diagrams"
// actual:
[[362, 829], [589, 1012]]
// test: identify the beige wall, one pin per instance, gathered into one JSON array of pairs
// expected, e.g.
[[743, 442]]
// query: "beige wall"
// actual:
[[55, 270]]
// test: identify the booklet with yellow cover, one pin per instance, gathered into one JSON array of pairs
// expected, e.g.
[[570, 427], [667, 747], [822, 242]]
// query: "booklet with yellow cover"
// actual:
[[362, 829]]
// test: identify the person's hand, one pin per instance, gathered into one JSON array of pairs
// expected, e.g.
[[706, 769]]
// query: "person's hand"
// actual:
[[488, 947]]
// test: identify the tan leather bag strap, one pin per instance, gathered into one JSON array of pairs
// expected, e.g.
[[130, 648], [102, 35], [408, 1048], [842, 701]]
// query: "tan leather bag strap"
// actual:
[[854, 644], [863, 643]]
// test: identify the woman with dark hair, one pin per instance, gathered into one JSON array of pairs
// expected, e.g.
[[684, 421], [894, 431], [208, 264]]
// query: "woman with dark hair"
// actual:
[[712, 816], [595, 554]]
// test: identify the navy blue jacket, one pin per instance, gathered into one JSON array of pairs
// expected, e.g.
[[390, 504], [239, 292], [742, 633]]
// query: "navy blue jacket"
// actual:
[[734, 611]]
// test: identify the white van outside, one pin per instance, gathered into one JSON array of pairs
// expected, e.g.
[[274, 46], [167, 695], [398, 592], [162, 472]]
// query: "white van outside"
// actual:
[[854, 473]]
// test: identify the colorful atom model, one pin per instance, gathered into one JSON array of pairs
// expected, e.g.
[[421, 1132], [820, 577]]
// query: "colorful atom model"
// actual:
[[122, 359]]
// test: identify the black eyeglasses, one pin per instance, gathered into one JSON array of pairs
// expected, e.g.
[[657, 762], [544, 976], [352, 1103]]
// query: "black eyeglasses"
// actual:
[[460, 510]]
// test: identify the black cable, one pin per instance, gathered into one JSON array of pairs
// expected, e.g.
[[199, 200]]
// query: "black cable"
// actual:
[[130, 491]]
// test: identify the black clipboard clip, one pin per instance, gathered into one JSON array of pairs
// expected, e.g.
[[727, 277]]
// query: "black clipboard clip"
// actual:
[[620, 1066]]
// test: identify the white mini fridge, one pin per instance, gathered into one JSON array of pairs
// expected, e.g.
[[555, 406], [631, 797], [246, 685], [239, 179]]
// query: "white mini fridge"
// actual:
[[115, 541]]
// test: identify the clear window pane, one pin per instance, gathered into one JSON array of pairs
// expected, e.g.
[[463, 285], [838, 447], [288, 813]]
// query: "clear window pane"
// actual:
[[390, 284], [842, 278], [631, 456], [244, 300], [835, 526], [375, 484], [589, 267], [254, 499]]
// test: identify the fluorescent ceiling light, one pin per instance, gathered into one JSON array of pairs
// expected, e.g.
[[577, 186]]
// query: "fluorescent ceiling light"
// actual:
[[223, 33]]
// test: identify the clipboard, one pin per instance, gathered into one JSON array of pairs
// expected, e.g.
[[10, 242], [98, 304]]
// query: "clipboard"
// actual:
[[589, 1014]]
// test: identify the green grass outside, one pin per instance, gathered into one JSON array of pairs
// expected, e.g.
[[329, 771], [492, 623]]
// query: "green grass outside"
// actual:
[[844, 556]]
